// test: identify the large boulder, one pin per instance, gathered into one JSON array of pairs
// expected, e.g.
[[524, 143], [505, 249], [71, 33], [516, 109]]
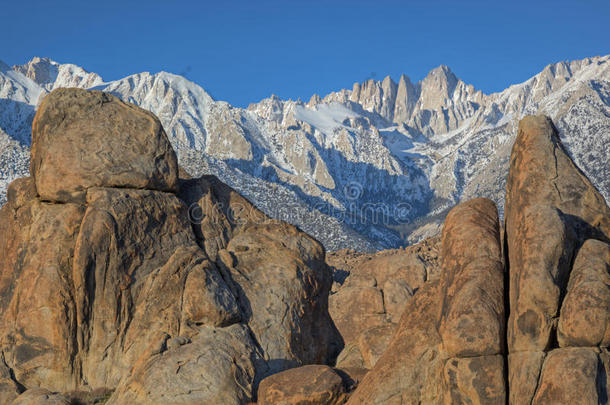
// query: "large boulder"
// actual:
[[557, 229], [216, 367], [306, 385], [277, 273], [448, 346], [83, 139]]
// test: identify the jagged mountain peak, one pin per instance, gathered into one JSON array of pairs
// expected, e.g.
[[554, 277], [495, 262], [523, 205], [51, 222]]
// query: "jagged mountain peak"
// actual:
[[442, 71], [424, 145], [50, 74]]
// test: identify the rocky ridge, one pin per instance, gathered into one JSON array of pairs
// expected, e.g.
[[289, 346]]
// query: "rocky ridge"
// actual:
[[369, 167]]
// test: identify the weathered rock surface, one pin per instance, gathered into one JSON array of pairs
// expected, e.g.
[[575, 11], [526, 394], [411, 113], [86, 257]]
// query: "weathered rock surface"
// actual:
[[554, 217], [217, 367], [83, 139], [40, 396], [585, 312], [106, 282], [155, 291], [306, 385], [277, 273], [449, 343], [573, 376], [370, 293]]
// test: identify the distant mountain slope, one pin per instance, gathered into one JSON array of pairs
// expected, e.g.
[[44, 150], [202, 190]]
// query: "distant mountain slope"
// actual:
[[364, 168]]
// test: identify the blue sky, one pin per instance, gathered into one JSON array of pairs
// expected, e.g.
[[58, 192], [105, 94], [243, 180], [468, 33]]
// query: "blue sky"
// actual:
[[242, 51]]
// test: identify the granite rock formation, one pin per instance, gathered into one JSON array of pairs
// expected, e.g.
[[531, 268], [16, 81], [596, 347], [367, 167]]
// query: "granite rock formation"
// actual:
[[557, 234], [520, 318], [125, 277], [448, 345], [106, 281]]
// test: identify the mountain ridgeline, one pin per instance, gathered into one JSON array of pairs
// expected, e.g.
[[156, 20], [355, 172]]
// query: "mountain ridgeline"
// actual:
[[373, 167]]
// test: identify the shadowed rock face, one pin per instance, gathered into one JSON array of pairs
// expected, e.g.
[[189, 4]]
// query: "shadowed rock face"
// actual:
[[108, 281]]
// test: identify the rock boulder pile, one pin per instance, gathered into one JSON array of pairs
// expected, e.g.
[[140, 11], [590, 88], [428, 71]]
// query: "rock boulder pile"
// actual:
[[115, 274], [525, 326], [123, 276]]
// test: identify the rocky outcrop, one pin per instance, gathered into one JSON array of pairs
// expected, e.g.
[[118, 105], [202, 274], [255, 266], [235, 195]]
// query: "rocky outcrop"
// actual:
[[557, 230], [216, 367], [277, 273], [369, 296], [584, 315], [455, 344], [307, 385], [109, 281], [148, 289], [448, 345], [83, 139]]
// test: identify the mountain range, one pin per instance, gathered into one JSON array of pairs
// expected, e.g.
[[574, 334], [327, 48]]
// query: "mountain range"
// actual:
[[376, 166]]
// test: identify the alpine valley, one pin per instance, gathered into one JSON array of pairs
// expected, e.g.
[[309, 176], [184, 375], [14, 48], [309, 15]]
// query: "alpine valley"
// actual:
[[377, 166]]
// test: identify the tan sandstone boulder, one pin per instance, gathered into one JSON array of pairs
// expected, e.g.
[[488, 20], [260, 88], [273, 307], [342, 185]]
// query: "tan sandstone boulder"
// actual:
[[366, 304], [87, 138], [277, 273], [306, 385]]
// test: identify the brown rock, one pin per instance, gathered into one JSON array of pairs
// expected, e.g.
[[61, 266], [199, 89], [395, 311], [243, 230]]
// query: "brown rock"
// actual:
[[373, 342], [523, 374], [9, 389], [37, 335], [115, 292], [472, 281], [217, 212], [351, 356], [585, 312], [141, 280], [475, 380], [307, 385], [410, 369], [448, 344], [217, 367], [282, 282], [41, 396], [277, 272], [570, 376], [537, 273], [551, 209], [83, 139], [373, 295], [21, 191], [356, 309]]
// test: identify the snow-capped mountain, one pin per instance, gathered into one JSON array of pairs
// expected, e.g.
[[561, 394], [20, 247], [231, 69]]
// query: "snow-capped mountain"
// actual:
[[366, 168]]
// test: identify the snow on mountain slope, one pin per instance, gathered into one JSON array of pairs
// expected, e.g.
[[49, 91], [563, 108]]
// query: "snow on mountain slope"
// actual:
[[365, 168], [50, 75]]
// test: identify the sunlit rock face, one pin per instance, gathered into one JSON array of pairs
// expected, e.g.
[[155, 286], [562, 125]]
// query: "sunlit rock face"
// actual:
[[378, 165]]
